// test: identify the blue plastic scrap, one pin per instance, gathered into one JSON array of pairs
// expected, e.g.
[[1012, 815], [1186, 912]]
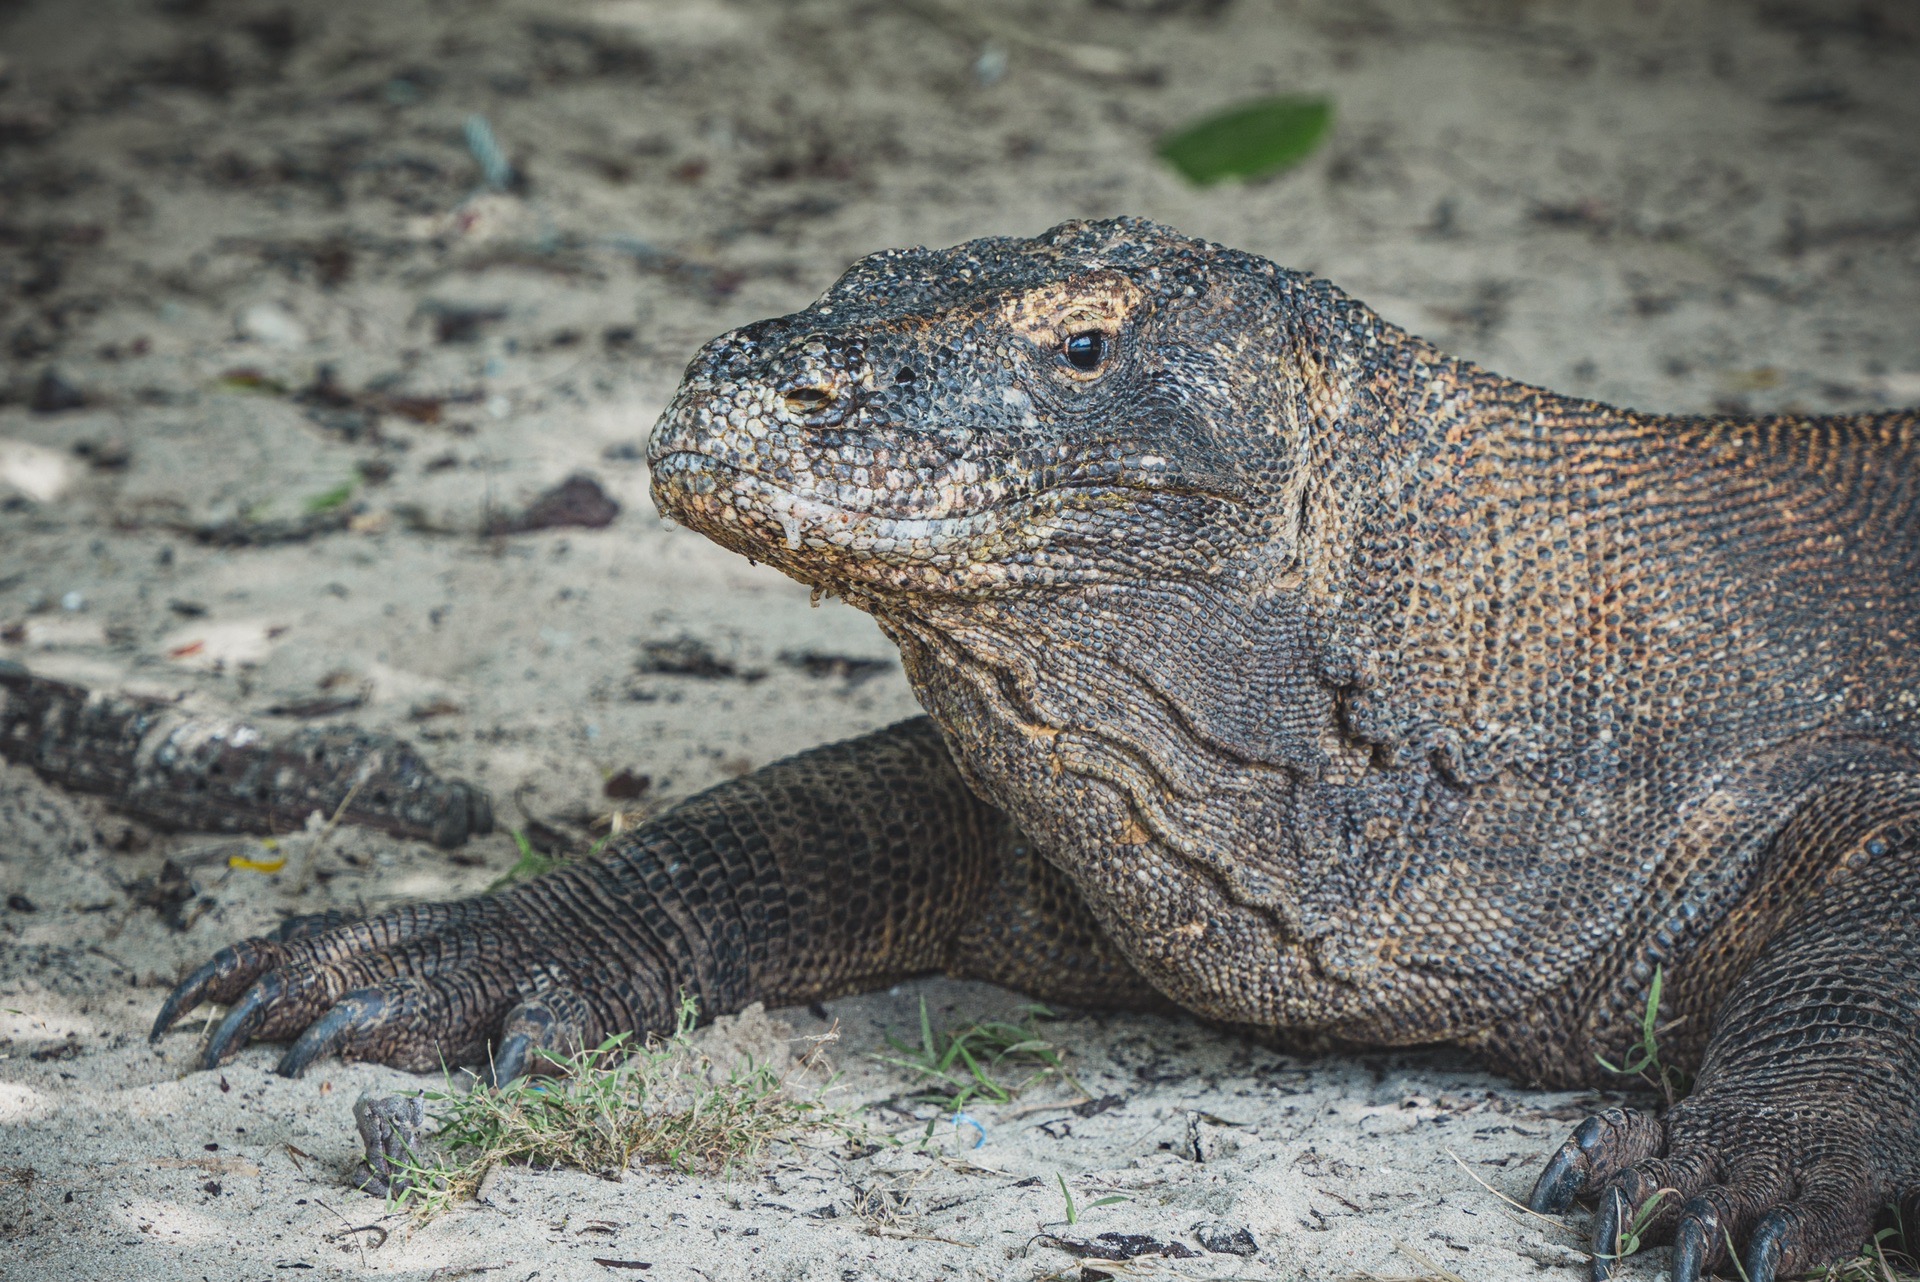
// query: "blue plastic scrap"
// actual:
[[494, 166], [966, 1119]]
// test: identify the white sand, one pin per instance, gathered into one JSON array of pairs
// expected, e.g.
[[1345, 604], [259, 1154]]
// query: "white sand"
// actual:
[[1674, 206]]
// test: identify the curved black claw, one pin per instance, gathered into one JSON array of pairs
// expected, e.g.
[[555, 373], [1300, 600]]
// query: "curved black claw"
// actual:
[[1609, 1223], [1767, 1247], [1561, 1182], [1600, 1145], [509, 1059], [216, 979], [555, 1019], [1698, 1246], [188, 993], [326, 1035], [238, 1028]]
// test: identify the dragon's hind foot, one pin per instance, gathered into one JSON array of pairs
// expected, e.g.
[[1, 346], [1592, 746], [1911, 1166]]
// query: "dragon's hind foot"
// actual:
[[1784, 1191], [1802, 1133]]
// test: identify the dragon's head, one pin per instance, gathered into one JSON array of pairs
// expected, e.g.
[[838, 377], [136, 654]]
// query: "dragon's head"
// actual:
[[1096, 404]]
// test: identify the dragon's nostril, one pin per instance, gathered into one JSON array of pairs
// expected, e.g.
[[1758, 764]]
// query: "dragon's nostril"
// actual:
[[807, 400]]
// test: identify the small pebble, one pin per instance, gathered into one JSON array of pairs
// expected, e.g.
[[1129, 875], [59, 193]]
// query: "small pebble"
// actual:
[[55, 395], [991, 66], [272, 324], [1222, 1238]]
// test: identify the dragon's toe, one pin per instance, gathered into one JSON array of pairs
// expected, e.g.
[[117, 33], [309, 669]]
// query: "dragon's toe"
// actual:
[[406, 1021], [1600, 1146]]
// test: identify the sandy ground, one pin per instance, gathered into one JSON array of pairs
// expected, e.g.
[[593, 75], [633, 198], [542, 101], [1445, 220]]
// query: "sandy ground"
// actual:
[[1675, 206]]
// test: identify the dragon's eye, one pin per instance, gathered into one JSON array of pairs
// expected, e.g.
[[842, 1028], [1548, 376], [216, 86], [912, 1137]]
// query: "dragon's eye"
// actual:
[[1085, 351]]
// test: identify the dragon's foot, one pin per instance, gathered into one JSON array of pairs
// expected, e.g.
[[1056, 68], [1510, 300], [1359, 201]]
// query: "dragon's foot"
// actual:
[[1780, 1189], [419, 988]]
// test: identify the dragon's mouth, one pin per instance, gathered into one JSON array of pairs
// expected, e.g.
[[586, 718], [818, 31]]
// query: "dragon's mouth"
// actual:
[[904, 506], [1049, 530], [759, 516], [949, 521]]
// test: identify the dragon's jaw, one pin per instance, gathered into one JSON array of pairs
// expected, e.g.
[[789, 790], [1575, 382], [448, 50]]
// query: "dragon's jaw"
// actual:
[[817, 539]]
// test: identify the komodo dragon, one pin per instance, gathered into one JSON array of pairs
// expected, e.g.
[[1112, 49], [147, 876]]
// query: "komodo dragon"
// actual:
[[1282, 666]]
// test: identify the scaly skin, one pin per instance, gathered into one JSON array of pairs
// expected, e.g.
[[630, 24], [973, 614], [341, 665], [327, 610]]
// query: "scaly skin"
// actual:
[[1347, 689]]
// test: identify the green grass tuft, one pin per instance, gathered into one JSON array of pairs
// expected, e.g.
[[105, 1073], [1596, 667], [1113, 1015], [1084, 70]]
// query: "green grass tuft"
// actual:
[[603, 1110], [532, 863], [1632, 1236], [1884, 1259], [1643, 1061], [328, 500], [993, 1060], [1074, 1209]]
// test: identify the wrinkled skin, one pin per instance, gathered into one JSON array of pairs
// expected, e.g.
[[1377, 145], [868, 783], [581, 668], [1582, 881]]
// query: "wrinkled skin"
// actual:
[[1284, 668]]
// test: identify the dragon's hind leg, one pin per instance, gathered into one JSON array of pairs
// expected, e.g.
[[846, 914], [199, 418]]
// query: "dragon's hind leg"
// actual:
[[1803, 1129]]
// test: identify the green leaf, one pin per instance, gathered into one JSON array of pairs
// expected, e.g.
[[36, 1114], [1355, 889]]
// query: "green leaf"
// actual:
[[252, 380], [530, 864], [1650, 1020], [332, 498], [1251, 140]]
